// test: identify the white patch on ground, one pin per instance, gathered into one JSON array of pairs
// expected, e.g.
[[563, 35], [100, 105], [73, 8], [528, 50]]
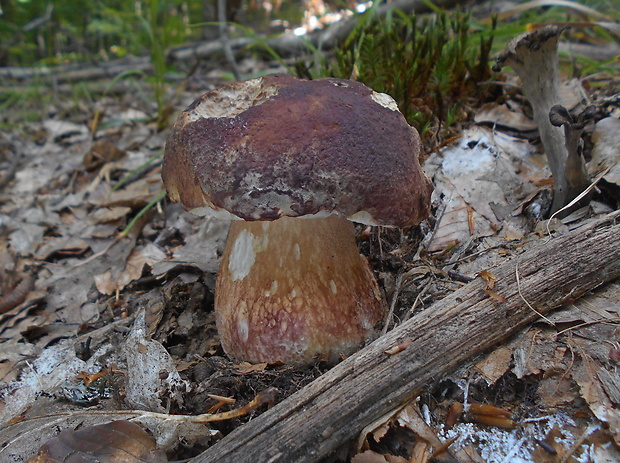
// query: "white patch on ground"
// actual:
[[497, 445]]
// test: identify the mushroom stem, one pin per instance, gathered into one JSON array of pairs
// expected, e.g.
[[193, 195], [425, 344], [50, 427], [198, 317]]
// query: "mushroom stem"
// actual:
[[534, 58], [292, 290]]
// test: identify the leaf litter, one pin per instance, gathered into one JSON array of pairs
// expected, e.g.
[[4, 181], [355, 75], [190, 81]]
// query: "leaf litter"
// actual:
[[135, 311]]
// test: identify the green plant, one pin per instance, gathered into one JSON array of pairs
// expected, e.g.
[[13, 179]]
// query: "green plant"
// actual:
[[164, 27], [431, 65], [26, 102]]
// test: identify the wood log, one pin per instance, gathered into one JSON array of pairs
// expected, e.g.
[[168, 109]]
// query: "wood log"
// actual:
[[331, 411]]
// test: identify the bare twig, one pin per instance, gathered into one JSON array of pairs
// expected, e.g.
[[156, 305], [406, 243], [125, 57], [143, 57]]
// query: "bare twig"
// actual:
[[525, 300], [390, 315], [268, 396]]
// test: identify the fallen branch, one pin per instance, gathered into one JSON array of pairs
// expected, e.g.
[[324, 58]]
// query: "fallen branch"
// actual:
[[286, 44], [327, 414]]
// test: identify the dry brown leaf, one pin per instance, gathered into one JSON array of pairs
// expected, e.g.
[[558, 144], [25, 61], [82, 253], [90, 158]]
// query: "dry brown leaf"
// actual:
[[494, 365], [368, 457], [606, 139], [134, 195], [454, 413], [108, 214], [592, 391], [490, 280], [429, 442], [379, 432], [112, 281], [483, 168], [115, 442], [246, 367], [501, 114], [496, 421], [102, 152], [89, 378], [488, 410], [398, 348]]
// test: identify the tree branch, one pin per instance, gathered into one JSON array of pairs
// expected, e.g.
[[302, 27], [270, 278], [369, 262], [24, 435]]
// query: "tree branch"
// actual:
[[328, 413]]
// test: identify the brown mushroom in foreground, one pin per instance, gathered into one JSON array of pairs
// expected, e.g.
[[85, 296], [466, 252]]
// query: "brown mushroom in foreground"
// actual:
[[295, 159]]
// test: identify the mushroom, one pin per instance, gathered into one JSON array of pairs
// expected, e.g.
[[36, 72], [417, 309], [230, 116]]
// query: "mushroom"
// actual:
[[294, 160], [533, 56], [575, 172]]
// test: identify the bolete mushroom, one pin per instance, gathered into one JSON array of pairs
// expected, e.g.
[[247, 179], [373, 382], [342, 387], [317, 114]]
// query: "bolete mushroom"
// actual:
[[294, 160]]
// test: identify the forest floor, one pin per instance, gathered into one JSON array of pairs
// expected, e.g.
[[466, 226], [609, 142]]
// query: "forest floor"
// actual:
[[92, 318]]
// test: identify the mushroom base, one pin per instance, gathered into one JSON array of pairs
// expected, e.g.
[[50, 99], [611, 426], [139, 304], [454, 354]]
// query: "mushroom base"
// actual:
[[295, 290]]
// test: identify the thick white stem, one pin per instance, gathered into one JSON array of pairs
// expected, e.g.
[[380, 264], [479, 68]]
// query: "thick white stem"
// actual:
[[294, 290]]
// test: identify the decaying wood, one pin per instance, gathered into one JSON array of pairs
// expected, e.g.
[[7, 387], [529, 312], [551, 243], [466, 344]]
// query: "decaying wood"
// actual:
[[327, 414]]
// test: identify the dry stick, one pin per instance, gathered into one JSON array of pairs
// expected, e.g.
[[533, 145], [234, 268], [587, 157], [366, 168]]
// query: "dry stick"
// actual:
[[324, 416], [418, 299], [390, 316], [579, 197], [266, 396], [525, 300]]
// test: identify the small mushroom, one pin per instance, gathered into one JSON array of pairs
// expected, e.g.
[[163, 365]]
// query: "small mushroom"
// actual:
[[295, 159], [575, 172], [533, 56]]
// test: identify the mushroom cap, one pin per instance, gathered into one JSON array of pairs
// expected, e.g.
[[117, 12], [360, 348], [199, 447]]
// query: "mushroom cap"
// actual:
[[280, 146]]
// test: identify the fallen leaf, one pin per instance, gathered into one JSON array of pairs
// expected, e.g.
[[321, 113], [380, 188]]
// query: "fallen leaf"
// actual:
[[368, 456], [490, 280], [493, 366], [482, 168], [112, 281], [592, 392], [102, 152], [115, 442], [606, 138], [501, 114], [246, 367]]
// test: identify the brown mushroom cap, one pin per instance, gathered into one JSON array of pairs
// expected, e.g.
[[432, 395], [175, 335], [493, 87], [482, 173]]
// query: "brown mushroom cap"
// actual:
[[280, 146]]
